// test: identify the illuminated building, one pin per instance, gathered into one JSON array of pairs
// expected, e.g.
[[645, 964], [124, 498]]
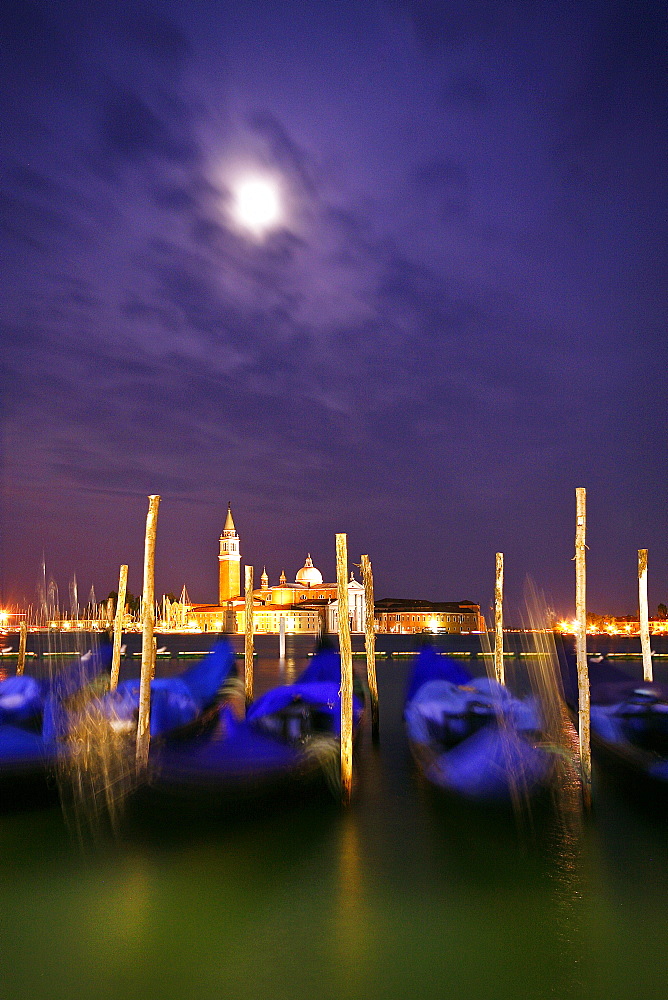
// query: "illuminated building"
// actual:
[[229, 562], [310, 605], [307, 605], [406, 617]]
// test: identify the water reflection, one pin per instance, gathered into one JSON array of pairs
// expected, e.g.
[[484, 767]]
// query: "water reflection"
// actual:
[[353, 919], [403, 895], [567, 896], [288, 668]]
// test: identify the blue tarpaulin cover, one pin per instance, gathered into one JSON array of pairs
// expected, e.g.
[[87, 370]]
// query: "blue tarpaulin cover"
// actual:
[[20, 748], [175, 701], [254, 749], [67, 683], [21, 698], [431, 666], [476, 738], [322, 697], [627, 713]]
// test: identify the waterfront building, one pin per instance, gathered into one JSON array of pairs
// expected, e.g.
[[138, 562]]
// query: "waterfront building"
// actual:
[[309, 594], [407, 616], [310, 605]]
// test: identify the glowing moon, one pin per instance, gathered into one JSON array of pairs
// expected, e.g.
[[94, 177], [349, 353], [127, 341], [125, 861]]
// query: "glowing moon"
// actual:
[[256, 204]]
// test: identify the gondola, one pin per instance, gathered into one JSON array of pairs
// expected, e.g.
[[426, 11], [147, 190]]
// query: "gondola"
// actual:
[[30, 746], [288, 740], [471, 737], [179, 704], [628, 725], [22, 701], [77, 701]]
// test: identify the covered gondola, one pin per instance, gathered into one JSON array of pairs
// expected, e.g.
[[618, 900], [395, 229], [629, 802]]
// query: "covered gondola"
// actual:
[[471, 737], [628, 724], [47, 727], [288, 741], [30, 743]]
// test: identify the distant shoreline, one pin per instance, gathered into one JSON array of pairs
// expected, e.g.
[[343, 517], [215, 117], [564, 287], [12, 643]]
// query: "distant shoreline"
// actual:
[[48, 642]]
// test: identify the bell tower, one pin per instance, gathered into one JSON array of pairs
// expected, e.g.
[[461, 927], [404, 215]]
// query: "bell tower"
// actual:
[[229, 561]]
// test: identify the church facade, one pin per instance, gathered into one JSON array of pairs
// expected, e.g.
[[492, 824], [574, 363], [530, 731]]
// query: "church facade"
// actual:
[[307, 605]]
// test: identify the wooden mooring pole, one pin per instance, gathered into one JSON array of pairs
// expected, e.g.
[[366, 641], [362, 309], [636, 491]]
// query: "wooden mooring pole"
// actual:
[[499, 669], [648, 674], [148, 627], [23, 640], [118, 627], [248, 644], [370, 645], [346, 654], [581, 641]]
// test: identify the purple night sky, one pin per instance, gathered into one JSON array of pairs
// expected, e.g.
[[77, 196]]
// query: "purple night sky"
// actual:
[[459, 318]]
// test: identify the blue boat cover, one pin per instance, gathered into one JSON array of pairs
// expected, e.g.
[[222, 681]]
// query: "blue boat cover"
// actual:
[[264, 746], [432, 666], [445, 712], [477, 739], [175, 701], [67, 683], [325, 666], [641, 719], [21, 698], [492, 765], [233, 750], [318, 688], [628, 713], [20, 746]]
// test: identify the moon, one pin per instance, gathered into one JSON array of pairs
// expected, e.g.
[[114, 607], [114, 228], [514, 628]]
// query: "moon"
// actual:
[[257, 204]]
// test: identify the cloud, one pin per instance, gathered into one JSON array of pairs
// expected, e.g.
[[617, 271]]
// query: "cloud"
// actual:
[[131, 131], [284, 151]]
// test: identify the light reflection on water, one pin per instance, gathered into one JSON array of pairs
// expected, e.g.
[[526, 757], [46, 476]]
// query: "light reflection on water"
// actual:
[[353, 919], [403, 895]]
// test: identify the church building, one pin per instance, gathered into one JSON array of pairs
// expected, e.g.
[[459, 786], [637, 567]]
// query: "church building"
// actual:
[[229, 561], [308, 605]]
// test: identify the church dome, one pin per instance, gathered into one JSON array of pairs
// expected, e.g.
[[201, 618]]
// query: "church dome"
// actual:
[[308, 575]]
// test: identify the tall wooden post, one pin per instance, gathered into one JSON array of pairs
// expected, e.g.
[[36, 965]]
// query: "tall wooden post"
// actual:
[[370, 645], [248, 645], [345, 651], [118, 627], [499, 669], [23, 639], [581, 640], [644, 616], [148, 626]]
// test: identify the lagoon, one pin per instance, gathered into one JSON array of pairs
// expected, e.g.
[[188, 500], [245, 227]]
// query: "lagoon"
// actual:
[[402, 895]]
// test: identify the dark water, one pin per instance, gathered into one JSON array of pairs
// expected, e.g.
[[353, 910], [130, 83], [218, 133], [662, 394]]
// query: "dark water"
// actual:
[[400, 896]]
